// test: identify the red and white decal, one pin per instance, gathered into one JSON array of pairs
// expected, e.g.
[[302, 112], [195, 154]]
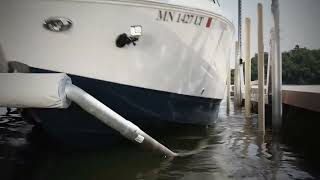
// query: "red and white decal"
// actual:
[[209, 22]]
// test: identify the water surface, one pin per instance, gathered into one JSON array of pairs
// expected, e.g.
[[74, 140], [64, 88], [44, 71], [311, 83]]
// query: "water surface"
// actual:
[[232, 149]]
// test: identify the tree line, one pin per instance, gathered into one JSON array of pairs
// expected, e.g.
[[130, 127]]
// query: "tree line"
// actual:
[[300, 66]]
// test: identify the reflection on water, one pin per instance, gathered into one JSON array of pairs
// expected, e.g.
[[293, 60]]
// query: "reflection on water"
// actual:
[[232, 149]]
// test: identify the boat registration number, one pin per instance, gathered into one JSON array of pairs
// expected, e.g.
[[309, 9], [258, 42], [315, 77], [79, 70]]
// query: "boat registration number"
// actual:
[[184, 18]]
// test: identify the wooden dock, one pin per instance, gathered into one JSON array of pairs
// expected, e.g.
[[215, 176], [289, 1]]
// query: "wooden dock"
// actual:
[[301, 96], [306, 97]]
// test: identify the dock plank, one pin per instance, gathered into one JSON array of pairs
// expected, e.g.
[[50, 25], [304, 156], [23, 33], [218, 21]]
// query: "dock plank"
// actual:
[[302, 96], [306, 97]]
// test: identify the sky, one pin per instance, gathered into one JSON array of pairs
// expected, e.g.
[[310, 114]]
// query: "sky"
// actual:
[[299, 22]]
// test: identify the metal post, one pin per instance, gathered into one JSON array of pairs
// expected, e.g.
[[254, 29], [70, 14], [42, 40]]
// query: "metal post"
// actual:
[[237, 76], [261, 105], [248, 69], [240, 72], [270, 60], [240, 27], [276, 72], [228, 88]]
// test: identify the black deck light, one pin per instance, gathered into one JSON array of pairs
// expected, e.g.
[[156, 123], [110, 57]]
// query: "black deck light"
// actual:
[[124, 39]]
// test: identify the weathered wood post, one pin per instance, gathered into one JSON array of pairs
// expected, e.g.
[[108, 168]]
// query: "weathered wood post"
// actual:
[[3, 62], [248, 69], [261, 89], [276, 72], [237, 76]]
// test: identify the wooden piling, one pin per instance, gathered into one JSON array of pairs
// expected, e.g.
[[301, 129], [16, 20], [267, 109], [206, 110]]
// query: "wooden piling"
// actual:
[[248, 69], [3, 62], [261, 104]]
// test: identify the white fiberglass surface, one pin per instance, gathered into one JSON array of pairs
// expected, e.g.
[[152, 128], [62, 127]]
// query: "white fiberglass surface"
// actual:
[[173, 55], [207, 5]]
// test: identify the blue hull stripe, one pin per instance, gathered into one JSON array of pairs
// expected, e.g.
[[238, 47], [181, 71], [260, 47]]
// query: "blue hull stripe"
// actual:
[[144, 107]]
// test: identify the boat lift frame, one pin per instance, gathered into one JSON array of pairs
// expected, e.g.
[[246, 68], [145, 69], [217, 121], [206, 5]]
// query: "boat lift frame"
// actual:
[[55, 90]]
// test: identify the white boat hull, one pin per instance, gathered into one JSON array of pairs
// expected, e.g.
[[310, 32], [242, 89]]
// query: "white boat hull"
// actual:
[[183, 57], [176, 73]]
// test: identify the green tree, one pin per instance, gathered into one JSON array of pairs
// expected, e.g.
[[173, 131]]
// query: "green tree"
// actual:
[[254, 66], [300, 66]]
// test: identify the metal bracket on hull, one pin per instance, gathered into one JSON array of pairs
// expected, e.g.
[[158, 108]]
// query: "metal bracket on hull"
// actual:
[[57, 24]]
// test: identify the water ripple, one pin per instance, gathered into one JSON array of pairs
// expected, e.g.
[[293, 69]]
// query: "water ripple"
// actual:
[[231, 149]]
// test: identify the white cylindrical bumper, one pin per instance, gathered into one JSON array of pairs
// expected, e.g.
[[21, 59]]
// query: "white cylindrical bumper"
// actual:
[[26, 90]]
